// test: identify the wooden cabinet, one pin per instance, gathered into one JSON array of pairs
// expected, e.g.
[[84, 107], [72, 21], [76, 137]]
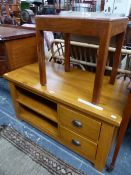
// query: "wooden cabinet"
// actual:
[[17, 48], [56, 110]]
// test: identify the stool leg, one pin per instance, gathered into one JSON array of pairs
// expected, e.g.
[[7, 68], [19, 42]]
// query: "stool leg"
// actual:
[[67, 52], [123, 127], [116, 61], [127, 65], [67, 5], [101, 63], [41, 56]]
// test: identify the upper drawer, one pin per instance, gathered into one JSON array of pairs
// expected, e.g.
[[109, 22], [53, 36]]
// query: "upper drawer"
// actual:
[[78, 122]]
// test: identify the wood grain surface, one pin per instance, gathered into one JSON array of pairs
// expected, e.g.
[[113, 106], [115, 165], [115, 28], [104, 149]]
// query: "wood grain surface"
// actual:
[[9, 33], [74, 89]]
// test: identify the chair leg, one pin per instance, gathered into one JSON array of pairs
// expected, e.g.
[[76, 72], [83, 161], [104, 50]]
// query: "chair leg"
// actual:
[[122, 131]]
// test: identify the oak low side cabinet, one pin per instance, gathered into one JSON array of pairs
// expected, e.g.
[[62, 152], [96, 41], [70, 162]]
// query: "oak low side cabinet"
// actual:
[[62, 109], [17, 48]]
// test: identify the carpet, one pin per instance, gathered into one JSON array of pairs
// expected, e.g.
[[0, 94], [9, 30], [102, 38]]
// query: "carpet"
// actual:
[[21, 156]]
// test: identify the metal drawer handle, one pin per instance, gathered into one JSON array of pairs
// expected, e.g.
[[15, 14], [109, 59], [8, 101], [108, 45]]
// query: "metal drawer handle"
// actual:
[[77, 123], [76, 142]]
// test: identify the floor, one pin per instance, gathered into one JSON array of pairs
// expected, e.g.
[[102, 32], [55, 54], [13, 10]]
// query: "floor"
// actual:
[[7, 117]]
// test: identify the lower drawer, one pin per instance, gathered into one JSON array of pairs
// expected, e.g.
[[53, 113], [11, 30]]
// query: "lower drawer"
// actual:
[[79, 144]]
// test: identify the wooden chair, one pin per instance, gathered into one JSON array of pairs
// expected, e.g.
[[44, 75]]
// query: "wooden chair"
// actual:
[[84, 56], [125, 121]]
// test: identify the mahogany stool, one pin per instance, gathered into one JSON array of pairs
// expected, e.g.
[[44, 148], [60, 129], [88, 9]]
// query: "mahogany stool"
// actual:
[[91, 24]]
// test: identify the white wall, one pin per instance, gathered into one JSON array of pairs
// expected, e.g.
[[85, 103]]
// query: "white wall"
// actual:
[[109, 6], [118, 7], [122, 7]]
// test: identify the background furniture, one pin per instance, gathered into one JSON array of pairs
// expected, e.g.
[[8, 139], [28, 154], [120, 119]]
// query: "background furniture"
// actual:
[[102, 5], [95, 24], [9, 10], [128, 35], [17, 48]]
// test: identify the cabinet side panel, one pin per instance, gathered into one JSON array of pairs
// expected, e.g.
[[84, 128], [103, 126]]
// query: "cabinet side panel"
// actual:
[[21, 52]]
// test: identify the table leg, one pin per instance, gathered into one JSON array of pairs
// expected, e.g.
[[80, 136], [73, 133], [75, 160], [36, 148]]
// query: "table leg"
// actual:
[[116, 61], [73, 5], [67, 5], [101, 62], [41, 56], [123, 127], [59, 4], [67, 52]]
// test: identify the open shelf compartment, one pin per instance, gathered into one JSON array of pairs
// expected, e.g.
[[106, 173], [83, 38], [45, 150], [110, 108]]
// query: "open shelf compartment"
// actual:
[[38, 104], [38, 121]]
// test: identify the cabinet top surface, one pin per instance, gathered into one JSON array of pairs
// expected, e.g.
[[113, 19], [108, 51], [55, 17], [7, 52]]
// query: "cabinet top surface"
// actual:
[[10, 33], [74, 89]]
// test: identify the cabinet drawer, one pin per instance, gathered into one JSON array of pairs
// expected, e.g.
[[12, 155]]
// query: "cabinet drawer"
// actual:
[[79, 144], [79, 123]]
